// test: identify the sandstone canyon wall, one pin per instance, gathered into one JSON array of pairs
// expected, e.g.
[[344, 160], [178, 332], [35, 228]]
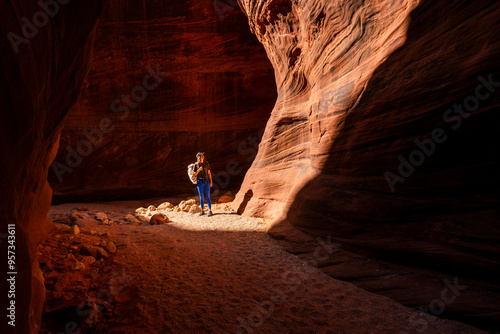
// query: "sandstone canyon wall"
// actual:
[[45, 56], [384, 138], [216, 96]]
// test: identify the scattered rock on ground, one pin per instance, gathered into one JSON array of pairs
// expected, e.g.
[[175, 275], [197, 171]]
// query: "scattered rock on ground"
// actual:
[[165, 205], [110, 247], [78, 266], [101, 216], [57, 291], [131, 219], [74, 215], [81, 208], [226, 198], [151, 210], [141, 218], [186, 205], [159, 219], [86, 222], [91, 321], [141, 211], [62, 227], [94, 251], [88, 260], [194, 209]]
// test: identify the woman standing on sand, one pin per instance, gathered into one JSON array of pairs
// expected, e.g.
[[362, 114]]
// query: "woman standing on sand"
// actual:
[[203, 174]]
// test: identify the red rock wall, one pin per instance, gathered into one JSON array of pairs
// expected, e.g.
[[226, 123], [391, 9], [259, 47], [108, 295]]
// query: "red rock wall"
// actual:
[[219, 91], [41, 74], [358, 83]]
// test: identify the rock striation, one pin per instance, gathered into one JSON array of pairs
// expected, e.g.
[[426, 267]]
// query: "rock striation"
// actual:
[[382, 140], [382, 135]]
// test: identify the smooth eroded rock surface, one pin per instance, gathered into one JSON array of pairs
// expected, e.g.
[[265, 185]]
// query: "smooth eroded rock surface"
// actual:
[[168, 79], [364, 90]]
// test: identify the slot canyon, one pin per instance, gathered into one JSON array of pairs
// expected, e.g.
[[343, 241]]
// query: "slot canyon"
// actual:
[[353, 152]]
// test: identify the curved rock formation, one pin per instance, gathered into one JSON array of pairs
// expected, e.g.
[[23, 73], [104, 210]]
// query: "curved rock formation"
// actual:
[[215, 90], [382, 136], [45, 55]]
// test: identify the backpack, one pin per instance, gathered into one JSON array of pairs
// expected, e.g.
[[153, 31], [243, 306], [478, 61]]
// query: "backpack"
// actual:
[[191, 175]]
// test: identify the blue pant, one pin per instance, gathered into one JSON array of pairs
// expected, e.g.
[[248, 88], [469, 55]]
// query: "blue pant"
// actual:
[[204, 192]]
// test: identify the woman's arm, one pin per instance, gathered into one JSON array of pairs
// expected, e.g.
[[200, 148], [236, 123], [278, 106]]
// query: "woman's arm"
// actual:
[[199, 169], [210, 176]]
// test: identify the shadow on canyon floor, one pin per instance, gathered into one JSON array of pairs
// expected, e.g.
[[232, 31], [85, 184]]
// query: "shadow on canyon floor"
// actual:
[[444, 217], [203, 275]]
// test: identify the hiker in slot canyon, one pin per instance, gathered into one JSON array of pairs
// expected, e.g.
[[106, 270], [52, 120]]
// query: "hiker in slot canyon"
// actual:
[[353, 177]]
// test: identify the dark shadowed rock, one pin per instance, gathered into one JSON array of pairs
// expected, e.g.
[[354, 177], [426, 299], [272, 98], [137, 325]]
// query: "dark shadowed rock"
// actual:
[[40, 81], [87, 222], [216, 90], [94, 251]]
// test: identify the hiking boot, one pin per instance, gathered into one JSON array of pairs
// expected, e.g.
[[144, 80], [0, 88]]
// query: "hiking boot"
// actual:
[[202, 213], [210, 213]]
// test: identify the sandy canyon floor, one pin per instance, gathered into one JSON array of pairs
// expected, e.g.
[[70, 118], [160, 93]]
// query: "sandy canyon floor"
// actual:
[[219, 274]]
